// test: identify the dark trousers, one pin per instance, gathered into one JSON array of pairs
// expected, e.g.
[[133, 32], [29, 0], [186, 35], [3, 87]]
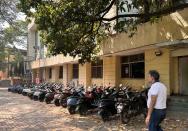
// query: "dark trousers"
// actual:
[[157, 116]]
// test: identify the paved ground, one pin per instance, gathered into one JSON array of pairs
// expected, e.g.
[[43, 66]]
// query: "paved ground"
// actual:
[[19, 113]]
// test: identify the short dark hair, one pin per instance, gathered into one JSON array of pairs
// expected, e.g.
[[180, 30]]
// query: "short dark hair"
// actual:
[[155, 75]]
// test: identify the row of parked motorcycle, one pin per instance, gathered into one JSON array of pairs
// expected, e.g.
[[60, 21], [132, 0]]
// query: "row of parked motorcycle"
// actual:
[[109, 101]]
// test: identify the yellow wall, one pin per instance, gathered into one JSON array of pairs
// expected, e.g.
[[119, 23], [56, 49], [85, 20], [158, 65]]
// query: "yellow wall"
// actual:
[[67, 73], [96, 81], [174, 81], [85, 74], [52, 61], [55, 73], [135, 83], [110, 70], [169, 28], [159, 63]]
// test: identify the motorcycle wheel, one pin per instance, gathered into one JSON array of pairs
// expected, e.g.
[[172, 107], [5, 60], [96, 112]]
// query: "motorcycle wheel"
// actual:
[[41, 99], [63, 103], [56, 102], [105, 115], [35, 98], [82, 110], [19, 92], [124, 117], [144, 112], [30, 96], [71, 110], [47, 100], [24, 93]]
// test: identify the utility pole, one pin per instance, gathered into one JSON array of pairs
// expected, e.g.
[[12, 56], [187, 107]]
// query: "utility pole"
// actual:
[[8, 64]]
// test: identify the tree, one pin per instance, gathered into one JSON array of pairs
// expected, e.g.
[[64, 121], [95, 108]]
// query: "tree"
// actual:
[[76, 27], [8, 13], [12, 35]]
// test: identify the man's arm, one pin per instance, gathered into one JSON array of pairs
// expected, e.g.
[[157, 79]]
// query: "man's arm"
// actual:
[[152, 104], [150, 109]]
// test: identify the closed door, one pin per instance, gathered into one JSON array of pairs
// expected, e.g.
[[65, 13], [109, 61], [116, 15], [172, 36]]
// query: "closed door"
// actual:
[[183, 74]]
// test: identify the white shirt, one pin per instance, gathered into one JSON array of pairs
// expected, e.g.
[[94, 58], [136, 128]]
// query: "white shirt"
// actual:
[[160, 90]]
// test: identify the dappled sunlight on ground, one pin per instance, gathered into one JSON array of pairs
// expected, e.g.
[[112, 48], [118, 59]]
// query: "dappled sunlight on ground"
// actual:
[[19, 113]]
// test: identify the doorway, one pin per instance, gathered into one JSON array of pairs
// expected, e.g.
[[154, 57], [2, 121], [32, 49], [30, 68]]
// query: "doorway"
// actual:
[[183, 75]]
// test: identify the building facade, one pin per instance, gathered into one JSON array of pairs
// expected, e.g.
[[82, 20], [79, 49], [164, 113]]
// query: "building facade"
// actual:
[[162, 46]]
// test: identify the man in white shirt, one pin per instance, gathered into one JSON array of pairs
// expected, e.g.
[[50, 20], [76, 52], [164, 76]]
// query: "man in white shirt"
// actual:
[[157, 96]]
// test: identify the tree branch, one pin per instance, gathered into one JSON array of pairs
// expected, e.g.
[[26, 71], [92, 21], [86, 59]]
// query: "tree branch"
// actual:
[[106, 10], [149, 15]]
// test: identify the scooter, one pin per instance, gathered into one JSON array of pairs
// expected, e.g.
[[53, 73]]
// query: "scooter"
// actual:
[[72, 100], [50, 94], [64, 95], [43, 93], [31, 91], [40, 93], [27, 89], [107, 104], [58, 94]]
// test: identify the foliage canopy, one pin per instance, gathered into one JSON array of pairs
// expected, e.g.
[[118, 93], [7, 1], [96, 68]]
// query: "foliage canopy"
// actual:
[[76, 27]]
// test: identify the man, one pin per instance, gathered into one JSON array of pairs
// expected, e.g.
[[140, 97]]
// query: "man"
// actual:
[[156, 102]]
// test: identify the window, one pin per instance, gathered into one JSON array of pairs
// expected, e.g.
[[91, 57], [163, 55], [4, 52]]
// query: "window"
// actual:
[[50, 73], [75, 71], [61, 72], [132, 66], [97, 69]]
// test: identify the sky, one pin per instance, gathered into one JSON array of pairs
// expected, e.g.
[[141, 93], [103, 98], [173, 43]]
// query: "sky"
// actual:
[[20, 16]]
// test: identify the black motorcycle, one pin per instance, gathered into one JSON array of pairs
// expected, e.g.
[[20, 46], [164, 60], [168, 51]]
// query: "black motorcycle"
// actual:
[[135, 104], [50, 94], [89, 101], [107, 104]]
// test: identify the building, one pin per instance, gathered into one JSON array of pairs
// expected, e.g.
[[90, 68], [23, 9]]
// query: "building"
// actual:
[[162, 46], [12, 68]]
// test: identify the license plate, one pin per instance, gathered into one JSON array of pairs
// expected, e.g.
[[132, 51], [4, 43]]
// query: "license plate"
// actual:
[[119, 108]]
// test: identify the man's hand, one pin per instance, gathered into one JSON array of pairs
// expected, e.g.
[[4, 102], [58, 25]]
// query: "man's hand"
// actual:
[[147, 120]]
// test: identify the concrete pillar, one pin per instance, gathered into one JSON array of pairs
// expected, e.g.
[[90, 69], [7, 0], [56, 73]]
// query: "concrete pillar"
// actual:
[[67, 73], [110, 70], [85, 74], [55, 73]]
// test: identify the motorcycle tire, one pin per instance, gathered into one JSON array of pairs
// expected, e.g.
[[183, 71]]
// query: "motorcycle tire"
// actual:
[[124, 117], [82, 110], [47, 100], [30, 96], [24, 93], [35, 98], [19, 92], [56, 102], [63, 102], [105, 115], [144, 112], [71, 110], [41, 99]]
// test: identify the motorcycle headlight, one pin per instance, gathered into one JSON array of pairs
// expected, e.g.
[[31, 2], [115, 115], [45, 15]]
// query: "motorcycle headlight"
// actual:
[[120, 107]]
